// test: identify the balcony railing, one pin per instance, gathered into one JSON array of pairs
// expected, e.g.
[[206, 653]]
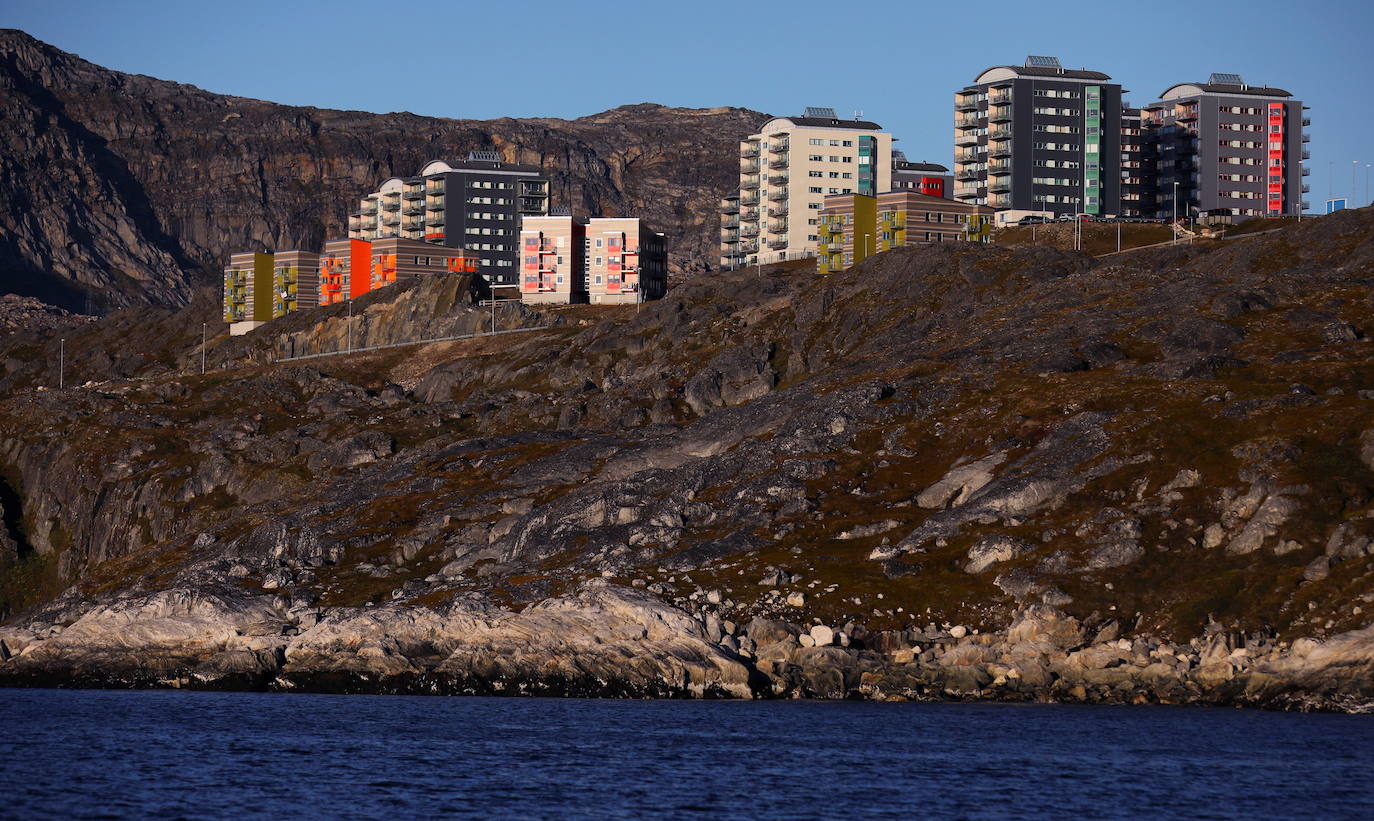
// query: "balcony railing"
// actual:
[[1306, 154], [437, 219], [1307, 138], [416, 193], [437, 205], [749, 151], [1306, 121], [748, 184], [1306, 171], [780, 211], [967, 120], [999, 97], [999, 167], [777, 162], [968, 173], [778, 179], [964, 138], [1000, 114], [1002, 149], [779, 146], [750, 167], [777, 227], [967, 156], [750, 230], [777, 195], [730, 206], [730, 222], [1001, 132], [728, 236], [391, 206], [777, 244], [413, 210], [434, 188], [999, 186], [369, 209], [966, 102], [749, 247]]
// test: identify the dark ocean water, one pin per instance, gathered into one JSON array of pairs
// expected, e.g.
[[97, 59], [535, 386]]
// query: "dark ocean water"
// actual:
[[167, 754]]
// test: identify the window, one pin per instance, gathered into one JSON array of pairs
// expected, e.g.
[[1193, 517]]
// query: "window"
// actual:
[[598, 262], [816, 141], [815, 189], [848, 143], [814, 174], [847, 159], [834, 158], [816, 158]]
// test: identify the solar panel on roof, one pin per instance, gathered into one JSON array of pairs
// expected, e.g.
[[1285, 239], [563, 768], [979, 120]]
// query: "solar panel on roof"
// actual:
[[817, 111], [485, 156], [1043, 62], [1226, 79]]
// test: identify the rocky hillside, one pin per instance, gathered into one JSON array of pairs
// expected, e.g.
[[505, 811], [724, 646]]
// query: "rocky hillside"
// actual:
[[119, 189], [952, 471]]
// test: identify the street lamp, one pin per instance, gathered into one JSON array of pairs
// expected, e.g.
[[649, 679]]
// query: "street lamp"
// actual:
[[350, 324], [61, 363], [202, 348], [1174, 223]]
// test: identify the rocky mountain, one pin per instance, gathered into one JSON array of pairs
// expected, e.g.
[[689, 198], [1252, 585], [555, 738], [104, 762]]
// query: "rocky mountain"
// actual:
[[119, 189], [950, 472]]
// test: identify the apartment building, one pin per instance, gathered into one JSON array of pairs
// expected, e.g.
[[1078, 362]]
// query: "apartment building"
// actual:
[[476, 204], [295, 281], [853, 227], [786, 171], [248, 289], [931, 179], [1039, 138], [552, 259], [1225, 145], [395, 260], [1137, 198], [345, 270], [624, 260]]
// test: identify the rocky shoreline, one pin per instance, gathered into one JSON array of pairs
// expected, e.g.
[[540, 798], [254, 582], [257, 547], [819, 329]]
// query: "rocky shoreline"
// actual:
[[617, 642]]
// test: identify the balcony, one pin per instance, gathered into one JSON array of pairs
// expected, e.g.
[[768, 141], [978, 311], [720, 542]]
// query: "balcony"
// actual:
[[1001, 132], [391, 205], [434, 188], [967, 120], [1306, 171], [533, 189], [437, 219], [1186, 114], [780, 211], [1000, 114], [749, 230], [778, 179], [999, 167], [1306, 121], [779, 146], [967, 156], [965, 138], [999, 96], [1306, 189], [727, 237], [748, 200], [436, 205], [416, 193], [749, 246], [369, 209], [967, 102], [1307, 138], [391, 220], [730, 222], [778, 243], [777, 195], [416, 225], [1000, 186], [777, 162], [1000, 201], [968, 173], [413, 210], [750, 167], [749, 152], [1002, 149], [730, 206], [777, 227], [1306, 154], [749, 184]]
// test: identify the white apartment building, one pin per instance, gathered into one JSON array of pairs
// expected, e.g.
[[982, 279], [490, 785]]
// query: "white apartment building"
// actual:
[[786, 172]]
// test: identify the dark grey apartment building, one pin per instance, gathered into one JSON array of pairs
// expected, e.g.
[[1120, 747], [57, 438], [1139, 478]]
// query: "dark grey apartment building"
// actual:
[[476, 204], [1224, 145], [1039, 138]]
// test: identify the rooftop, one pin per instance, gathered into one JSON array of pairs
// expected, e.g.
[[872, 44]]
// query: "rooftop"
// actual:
[[1039, 67]]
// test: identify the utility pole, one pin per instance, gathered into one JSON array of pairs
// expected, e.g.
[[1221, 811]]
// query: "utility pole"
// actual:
[[493, 312], [61, 363], [202, 348], [350, 325]]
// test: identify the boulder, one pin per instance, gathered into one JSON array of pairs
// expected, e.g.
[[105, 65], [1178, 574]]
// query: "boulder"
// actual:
[[822, 636], [990, 550]]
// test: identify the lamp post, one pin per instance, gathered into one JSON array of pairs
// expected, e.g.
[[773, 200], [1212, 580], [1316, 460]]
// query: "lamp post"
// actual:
[[61, 363], [1173, 224], [350, 324], [202, 348]]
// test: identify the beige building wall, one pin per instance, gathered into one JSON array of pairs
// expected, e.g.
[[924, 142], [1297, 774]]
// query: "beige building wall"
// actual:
[[552, 270]]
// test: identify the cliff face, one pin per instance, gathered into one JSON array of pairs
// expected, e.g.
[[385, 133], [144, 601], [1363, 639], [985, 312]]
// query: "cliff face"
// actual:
[[987, 472], [124, 189]]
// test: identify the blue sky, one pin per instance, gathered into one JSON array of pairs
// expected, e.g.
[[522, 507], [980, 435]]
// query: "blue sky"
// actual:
[[898, 63]]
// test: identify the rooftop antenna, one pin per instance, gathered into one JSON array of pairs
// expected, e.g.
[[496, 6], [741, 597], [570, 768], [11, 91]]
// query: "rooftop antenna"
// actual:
[[858, 114]]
